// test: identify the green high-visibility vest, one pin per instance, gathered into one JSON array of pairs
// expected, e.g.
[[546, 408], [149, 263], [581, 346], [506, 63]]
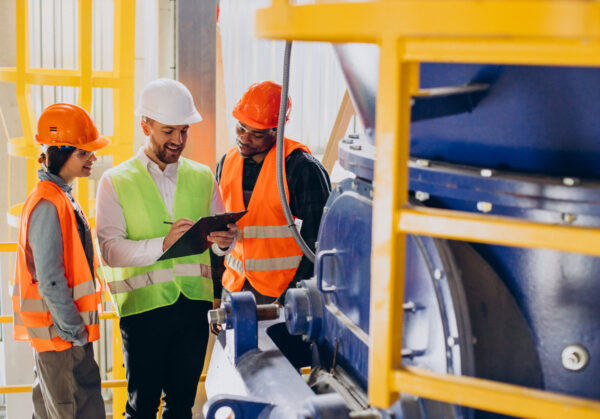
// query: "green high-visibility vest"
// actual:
[[141, 288]]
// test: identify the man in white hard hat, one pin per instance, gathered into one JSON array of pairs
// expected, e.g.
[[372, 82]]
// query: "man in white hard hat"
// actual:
[[162, 305]]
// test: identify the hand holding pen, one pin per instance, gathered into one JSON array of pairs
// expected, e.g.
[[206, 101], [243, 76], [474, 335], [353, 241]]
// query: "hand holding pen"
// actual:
[[177, 229]]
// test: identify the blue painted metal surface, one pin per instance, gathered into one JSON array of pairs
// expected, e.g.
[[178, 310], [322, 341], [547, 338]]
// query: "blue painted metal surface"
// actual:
[[527, 148], [540, 120], [555, 291], [263, 375], [241, 406], [304, 312], [326, 406], [242, 319]]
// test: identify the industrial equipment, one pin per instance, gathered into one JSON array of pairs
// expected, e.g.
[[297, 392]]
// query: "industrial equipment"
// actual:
[[506, 140]]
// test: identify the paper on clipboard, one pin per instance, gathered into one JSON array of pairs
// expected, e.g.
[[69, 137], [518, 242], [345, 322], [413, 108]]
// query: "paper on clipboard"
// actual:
[[193, 241]]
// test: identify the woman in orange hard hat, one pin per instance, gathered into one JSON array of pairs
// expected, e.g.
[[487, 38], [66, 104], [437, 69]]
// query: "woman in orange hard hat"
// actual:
[[56, 296]]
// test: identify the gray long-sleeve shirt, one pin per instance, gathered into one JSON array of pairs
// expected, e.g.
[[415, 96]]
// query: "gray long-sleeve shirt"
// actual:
[[44, 254]]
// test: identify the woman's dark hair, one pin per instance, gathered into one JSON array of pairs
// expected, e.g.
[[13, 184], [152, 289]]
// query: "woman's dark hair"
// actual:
[[55, 158]]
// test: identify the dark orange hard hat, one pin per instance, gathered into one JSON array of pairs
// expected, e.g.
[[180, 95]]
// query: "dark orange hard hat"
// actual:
[[63, 124], [259, 106]]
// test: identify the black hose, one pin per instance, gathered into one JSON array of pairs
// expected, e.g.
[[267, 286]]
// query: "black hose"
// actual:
[[280, 131]]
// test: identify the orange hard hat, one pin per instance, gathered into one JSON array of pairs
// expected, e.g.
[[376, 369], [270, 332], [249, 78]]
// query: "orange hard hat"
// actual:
[[259, 106], [63, 124]]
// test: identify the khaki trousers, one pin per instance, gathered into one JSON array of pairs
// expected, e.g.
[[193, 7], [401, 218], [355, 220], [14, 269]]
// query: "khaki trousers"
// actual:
[[67, 385]]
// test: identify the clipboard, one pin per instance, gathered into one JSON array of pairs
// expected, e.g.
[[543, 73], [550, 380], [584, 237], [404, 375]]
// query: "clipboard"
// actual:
[[193, 241]]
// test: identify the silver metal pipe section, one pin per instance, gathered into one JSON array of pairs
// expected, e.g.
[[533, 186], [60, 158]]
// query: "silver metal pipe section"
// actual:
[[279, 163]]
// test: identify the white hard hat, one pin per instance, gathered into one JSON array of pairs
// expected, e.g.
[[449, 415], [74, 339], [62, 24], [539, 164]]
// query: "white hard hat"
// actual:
[[168, 102]]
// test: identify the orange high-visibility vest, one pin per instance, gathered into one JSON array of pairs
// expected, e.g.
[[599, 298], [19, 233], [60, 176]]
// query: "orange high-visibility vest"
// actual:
[[266, 254], [32, 320]]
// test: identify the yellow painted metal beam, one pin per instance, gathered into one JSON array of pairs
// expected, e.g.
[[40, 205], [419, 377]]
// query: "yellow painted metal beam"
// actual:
[[23, 90], [104, 384], [105, 316], [28, 388], [530, 32], [468, 31], [20, 147], [490, 395], [15, 389], [506, 231], [370, 21], [109, 315], [113, 383], [391, 178], [85, 54], [60, 77], [8, 74], [8, 247], [124, 65], [500, 51], [14, 215]]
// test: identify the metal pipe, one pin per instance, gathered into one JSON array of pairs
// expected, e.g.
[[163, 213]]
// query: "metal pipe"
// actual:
[[280, 164], [263, 312]]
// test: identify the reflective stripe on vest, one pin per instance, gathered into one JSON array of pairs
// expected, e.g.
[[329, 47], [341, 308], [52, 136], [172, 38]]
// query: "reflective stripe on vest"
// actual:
[[49, 332], [271, 264], [159, 276], [33, 305], [83, 289], [266, 232], [234, 263], [38, 305], [45, 332]]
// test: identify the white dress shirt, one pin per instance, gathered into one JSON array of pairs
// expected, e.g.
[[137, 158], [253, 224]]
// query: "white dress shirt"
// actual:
[[111, 228]]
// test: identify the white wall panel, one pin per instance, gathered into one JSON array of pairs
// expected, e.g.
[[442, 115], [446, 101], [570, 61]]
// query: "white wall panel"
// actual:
[[316, 82]]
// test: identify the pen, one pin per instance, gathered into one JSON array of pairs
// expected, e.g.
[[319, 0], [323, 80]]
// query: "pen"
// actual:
[[168, 222]]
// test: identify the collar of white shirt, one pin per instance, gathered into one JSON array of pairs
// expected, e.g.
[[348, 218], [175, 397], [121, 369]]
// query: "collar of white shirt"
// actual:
[[170, 170]]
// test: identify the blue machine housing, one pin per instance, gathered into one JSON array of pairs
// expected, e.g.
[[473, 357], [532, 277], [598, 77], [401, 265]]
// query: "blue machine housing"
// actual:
[[525, 147]]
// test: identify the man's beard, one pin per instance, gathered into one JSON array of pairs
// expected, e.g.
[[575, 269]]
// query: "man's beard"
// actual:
[[167, 156]]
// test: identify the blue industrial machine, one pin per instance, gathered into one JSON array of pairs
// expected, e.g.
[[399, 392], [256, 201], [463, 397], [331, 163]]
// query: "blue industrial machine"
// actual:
[[515, 141]]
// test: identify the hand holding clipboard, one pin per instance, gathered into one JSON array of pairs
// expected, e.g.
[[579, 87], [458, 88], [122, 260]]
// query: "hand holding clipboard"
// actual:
[[194, 241]]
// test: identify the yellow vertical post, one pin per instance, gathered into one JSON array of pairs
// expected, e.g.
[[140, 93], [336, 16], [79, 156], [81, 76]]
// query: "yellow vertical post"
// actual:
[[85, 86], [124, 66], [120, 79], [85, 54], [22, 88], [123, 101], [118, 372], [391, 193]]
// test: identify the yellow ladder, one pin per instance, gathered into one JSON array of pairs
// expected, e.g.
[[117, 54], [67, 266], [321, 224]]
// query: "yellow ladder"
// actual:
[[120, 80], [407, 32]]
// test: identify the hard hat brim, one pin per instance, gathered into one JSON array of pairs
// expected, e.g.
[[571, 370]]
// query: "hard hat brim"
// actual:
[[169, 120], [251, 123], [95, 145]]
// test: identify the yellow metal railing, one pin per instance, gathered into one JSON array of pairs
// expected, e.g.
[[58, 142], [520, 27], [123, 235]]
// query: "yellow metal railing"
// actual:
[[467, 31], [116, 384], [27, 388], [120, 79]]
